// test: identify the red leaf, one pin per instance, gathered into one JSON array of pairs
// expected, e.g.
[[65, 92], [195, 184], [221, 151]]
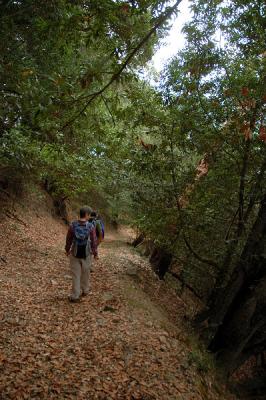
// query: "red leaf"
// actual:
[[244, 91], [125, 8], [262, 133], [246, 131], [227, 92]]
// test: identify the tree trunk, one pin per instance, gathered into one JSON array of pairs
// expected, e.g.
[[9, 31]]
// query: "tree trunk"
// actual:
[[160, 261], [244, 334], [138, 240], [237, 316]]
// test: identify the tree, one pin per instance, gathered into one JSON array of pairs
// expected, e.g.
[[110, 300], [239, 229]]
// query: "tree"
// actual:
[[185, 161], [199, 171], [62, 66]]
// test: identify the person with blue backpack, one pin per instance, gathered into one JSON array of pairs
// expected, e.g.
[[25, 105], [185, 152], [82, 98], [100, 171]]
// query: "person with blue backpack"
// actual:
[[81, 243], [99, 226]]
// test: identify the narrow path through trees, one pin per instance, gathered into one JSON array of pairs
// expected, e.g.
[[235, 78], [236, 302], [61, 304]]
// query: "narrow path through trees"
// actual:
[[124, 341]]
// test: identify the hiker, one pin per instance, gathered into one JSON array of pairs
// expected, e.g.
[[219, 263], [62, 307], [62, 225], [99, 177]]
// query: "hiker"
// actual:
[[92, 220], [99, 227], [81, 243]]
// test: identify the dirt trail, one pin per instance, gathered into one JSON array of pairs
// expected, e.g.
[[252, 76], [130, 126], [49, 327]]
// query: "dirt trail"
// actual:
[[121, 342]]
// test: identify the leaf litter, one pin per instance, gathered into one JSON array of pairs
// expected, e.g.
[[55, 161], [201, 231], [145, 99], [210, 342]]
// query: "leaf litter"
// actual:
[[123, 341]]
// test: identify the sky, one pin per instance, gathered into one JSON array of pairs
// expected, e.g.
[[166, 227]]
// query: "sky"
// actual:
[[175, 39]]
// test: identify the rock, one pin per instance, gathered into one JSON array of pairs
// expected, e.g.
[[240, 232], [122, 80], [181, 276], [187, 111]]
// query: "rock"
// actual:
[[107, 296], [132, 270], [100, 322], [108, 308], [163, 339]]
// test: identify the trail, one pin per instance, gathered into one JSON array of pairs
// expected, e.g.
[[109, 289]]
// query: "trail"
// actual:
[[123, 341]]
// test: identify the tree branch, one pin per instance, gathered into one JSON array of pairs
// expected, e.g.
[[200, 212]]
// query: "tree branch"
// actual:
[[161, 19], [5, 192], [10, 91], [198, 257], [185, 284], [231, 224], [253, 195], [108, 108], [242, 189]]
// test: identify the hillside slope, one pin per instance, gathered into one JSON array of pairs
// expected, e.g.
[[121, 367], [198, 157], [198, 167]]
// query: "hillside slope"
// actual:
[[124, 341]]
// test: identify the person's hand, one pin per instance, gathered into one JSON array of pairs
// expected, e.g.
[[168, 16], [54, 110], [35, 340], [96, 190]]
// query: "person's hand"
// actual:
[[96, 257], [67, 253]]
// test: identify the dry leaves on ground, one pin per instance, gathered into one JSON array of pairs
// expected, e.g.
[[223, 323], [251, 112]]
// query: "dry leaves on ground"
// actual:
[[123, 341]]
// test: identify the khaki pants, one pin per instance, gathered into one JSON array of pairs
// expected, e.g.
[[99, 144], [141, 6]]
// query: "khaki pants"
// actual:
[[80, 270]]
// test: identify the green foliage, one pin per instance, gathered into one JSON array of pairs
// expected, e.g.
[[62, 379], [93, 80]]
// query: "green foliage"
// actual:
[[18, 150], [71, 115], [202, 363], [54, 57], [184, 162], [209, 113]]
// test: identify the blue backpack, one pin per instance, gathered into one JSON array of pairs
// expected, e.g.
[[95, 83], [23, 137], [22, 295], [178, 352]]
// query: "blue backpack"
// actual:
[[82, 237], [100, 222], [102, 225]]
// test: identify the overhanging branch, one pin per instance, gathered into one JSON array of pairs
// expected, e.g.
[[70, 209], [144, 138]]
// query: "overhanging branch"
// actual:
[[91, 97], [198, 257]]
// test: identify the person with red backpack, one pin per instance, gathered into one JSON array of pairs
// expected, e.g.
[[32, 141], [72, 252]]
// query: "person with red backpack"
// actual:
[[81, 243]]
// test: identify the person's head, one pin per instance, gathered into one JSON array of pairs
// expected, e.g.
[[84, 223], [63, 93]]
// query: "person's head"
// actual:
[[88, 208], [88, 211], [84, 213], [93, 215]]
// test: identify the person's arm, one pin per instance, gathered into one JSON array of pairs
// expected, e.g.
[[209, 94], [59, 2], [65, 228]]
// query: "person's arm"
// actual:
[[69, 239], [93, 239]]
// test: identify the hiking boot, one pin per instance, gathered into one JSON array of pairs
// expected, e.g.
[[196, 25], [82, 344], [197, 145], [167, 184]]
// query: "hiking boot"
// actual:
[[71, 300]]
